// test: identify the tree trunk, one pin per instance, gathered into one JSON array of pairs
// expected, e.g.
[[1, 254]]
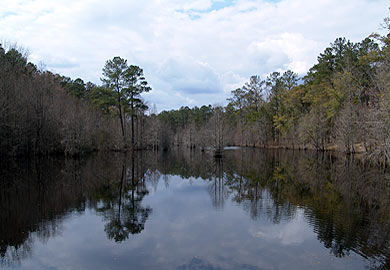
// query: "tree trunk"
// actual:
[[120, 114], [132, 130]]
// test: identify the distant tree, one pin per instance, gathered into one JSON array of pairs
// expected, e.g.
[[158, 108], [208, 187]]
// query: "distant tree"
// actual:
[[275, 93], [254, 92], [127, 83], [275, 90], [114, 78], [216, 128], [76, 87], [289, 79], [238, 102], [135, 85]]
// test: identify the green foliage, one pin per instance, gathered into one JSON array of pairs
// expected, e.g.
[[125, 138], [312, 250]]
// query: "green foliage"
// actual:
[[134, 87], [278, 110], [104, 99], [178, 119], [76, 87], [126, 83], [14, 58], [253, 93]]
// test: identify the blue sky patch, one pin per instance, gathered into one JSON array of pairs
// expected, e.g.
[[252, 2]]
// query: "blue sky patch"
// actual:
[[216, 5], [6, 14]]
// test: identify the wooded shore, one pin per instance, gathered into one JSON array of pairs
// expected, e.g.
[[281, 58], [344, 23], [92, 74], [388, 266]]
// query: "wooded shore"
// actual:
[[341, 104]]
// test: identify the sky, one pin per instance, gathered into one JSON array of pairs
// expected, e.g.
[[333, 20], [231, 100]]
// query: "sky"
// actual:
[[192, 52]]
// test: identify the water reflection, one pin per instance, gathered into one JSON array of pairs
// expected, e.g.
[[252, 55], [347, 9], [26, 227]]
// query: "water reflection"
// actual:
[[120, 203], [346, 203], [217, 190], [32, 200]]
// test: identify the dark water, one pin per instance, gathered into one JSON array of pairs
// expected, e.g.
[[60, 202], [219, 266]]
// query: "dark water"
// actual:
[[185, 210]]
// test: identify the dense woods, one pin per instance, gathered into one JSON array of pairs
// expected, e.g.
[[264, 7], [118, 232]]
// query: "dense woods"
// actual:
[[342, 103], [44, 113]]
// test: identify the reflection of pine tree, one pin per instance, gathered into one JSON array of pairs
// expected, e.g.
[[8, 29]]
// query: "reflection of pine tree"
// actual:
[[346, 204], [126, 215]]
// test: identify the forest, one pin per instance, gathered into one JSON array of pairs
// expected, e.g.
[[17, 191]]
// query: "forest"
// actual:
[[342, 103]]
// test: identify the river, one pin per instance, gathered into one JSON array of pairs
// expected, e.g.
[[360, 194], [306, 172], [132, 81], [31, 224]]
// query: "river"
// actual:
[[252, 209]]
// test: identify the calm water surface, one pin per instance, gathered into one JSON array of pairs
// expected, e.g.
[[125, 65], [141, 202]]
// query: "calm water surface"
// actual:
[[254, 209]]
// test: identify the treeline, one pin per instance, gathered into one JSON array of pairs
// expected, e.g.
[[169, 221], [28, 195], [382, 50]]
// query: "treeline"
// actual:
[[342, 103], [44, 113]]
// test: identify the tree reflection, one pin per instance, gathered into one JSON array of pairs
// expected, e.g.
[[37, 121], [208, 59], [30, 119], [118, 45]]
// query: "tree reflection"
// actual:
[[217, 190], [346, 202], [123, 209], [33, 203], [37, 195]]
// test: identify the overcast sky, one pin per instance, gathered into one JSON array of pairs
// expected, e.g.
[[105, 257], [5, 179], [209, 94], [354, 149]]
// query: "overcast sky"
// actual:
[[192, 52]]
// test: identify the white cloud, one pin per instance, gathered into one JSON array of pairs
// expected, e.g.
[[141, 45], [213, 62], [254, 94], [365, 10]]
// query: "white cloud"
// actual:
[[190, 76], [285, 51], [190, 50]]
